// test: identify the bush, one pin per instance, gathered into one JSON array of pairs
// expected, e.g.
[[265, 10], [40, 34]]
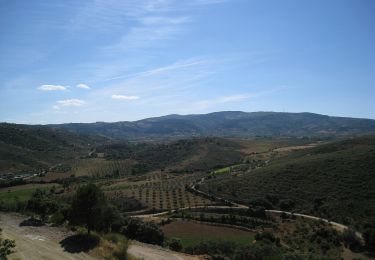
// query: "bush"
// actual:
[[57, 218], [147, 232], [287, 204], [225, 248], [6, 247], [350, 239], [369, 237], [265, 235], [175, 245], [120, 252]]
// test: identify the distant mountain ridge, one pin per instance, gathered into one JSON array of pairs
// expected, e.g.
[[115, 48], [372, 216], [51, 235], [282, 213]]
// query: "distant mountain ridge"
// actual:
[[227, 123]]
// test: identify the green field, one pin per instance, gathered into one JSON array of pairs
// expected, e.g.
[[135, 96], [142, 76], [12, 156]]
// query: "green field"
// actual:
[[10, 198]]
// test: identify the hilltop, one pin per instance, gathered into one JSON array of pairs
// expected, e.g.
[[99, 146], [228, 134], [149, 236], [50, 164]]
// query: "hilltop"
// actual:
[[227, 123]]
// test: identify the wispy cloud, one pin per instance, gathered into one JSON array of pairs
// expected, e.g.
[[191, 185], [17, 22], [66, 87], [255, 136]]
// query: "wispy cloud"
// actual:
[[148, 32], [184, 64], [68, 103], [52, 87], [83, 86], [203, 104], [124, 97]]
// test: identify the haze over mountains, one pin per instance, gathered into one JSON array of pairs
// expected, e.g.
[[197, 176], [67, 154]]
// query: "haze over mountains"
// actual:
[[227, 123]]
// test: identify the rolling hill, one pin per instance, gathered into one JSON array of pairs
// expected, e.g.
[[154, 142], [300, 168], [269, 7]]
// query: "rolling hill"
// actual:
[[334, 181], [25, 147], [229, 123]]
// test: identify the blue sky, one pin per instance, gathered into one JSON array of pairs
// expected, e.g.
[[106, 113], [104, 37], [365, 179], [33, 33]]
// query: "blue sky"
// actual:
[[114, 60]]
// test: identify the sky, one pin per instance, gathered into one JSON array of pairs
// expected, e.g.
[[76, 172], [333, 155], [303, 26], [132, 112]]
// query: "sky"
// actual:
[[124, 60]]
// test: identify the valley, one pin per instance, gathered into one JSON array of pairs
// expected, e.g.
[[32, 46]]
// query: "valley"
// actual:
[[234, 197]]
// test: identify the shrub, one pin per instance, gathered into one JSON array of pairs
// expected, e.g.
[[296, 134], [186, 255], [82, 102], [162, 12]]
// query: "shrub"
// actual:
[[350, 239], [120, 252], [175, 245], [369, 237], [265, 235], [6, 247], [147, 232], [57, 218]]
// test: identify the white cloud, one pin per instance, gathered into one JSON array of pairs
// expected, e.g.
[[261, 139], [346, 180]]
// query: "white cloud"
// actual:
[[83, 86], [123, 97], [52, 87], [68, 103]]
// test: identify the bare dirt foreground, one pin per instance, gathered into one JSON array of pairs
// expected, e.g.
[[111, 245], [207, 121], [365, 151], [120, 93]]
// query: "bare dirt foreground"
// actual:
[[43, 242], [36, 243]]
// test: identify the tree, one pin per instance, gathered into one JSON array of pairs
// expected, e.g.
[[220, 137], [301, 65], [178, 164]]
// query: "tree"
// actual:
[[6, 247], [87, 206], [41, 204]]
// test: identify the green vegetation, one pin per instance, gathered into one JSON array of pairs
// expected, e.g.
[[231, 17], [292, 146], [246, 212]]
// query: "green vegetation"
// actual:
[[247, 220], [25, 148], [147, 232], [228, 123], [99, 181], [222, 249], [16, 199], [6, 247], [177, 156], [90, 208], [42, 204], [324, 181]]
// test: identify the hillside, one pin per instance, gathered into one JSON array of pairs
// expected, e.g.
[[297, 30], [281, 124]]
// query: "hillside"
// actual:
[[34, 149], [25, 148], [334, 181], [230, 123], [187, 155]]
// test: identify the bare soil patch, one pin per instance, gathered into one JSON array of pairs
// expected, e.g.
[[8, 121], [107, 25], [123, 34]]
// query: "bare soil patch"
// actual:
[[188, 228]]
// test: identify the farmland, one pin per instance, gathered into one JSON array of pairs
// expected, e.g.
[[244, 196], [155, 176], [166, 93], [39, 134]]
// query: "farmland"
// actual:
[[157, 191], [192, 233], [193, 184]]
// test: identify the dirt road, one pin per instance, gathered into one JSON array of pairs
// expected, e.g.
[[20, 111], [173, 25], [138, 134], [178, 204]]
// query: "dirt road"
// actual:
[[36, 243]]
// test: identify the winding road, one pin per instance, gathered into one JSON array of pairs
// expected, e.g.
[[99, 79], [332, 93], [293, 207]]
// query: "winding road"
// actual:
[[234, 205]]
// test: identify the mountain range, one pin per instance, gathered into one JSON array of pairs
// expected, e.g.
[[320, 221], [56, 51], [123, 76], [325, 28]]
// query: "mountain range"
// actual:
[[227, 124]]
